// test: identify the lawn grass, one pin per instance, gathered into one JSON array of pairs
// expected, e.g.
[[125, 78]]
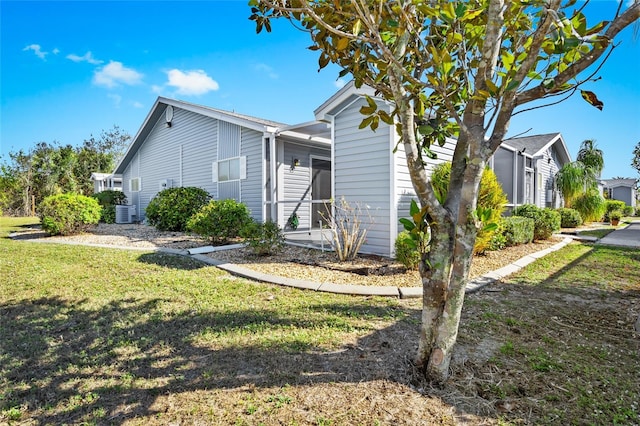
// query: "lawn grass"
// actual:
[[102, 336]]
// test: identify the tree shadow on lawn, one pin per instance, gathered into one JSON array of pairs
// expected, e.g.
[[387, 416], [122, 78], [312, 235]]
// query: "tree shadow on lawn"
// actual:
[[63, 362]]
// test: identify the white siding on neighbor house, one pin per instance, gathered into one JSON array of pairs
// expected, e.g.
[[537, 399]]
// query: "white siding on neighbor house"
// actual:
[[251, 187], [297, 180], [362, 173]]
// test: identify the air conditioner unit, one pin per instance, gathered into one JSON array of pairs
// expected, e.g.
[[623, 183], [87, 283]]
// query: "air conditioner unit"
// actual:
[[123, 214], [165, 184]]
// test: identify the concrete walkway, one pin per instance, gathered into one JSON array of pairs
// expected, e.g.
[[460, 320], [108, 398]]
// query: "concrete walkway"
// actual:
[[629, 236], [363, 290]]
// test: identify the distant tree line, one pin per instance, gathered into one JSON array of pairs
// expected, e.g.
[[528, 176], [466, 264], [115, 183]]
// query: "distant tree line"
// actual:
[[27, 177]]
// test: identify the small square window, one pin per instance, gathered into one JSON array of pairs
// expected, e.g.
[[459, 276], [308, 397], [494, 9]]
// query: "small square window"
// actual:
[[135, 185]]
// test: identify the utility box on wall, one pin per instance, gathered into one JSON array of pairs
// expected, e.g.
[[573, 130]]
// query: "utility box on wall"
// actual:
[[165, 184]]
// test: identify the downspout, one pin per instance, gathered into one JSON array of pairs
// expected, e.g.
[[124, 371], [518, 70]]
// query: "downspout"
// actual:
[[515, 178], [273, 176]]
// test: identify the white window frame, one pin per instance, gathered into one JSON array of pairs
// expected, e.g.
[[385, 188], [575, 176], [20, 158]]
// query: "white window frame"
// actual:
[[238, 174], [139, 184]]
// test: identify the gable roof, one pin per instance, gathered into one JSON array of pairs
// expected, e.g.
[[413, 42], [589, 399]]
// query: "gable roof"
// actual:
[[536, 145], [341, 99], [615, 183], [306, 131]]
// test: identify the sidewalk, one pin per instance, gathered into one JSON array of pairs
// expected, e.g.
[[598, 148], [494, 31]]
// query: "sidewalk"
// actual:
[[629, 236]]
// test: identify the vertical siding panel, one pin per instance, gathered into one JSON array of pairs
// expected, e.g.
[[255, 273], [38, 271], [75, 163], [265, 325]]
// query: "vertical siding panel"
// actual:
[[228, 140], [251, 187]]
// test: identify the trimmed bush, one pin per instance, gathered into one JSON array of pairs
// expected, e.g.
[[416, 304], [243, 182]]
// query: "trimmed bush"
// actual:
[[610, 206], [628, 211], [408, 251], [263, 238], [68, 214], [569, 218], [220, 220], [546, 221], [490, 196], [590, 206], [172, 208], [517, 230], [109, 199]]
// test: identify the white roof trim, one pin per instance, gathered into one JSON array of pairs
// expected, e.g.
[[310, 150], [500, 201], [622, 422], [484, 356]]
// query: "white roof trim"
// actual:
[[347, 91]]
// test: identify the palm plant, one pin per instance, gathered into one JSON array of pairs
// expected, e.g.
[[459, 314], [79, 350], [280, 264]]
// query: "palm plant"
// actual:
[[591, 156], [573, 179]]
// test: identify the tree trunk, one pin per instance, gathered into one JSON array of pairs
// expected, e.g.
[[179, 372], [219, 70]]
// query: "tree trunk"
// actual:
[[444, 278]]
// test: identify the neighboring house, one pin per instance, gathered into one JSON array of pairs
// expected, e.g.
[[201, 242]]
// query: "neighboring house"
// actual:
[[368, 172], [622, 190], [279, 170], [526, 168], [230, 156], [106, 181]]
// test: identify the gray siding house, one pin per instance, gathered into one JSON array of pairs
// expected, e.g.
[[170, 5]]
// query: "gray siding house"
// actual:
[[526, 169], [283, 172], [230, 156], [367, 171], [622, 190]]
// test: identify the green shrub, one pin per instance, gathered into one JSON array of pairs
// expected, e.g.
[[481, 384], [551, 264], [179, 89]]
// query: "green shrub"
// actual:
[[498, 241], [109, 199], [172, 208], [517, 230], [615, 215], [612, 205], [68, 214], [263, 238], [628, 211], [546, 220], [569, 218], [490, 197], [408, 252], [219, 220], [590, 205]]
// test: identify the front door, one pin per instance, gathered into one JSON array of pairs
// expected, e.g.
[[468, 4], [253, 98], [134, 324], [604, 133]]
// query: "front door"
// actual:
[[320, 190], [528, 187]]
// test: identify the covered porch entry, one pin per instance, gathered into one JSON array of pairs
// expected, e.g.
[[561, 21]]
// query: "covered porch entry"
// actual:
[[298, 182]]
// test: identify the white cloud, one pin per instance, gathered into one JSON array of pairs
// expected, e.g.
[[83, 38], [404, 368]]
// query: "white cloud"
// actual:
[[37, 50], [114, 74], [266, 69], [137, 104], [87, 57], [195, 82], [55, 51], [339, 83]]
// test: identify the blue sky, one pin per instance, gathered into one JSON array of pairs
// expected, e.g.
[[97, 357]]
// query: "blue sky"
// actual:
[[71, 69]]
